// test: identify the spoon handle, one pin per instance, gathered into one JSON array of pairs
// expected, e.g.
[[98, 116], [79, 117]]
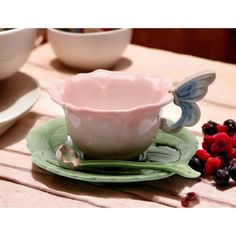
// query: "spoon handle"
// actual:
[[181, 169]]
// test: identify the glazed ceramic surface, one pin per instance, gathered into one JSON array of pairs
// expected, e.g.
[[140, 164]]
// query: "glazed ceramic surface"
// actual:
[[112, 114], [15, 48], [90, 51], [17, 95], [115, 115], [167, 150]]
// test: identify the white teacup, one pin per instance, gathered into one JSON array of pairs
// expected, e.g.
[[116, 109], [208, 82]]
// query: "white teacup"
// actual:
[[116, 115], [15, 47], [90, 51]]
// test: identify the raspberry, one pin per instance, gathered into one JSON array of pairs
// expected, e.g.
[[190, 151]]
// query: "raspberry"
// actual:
[[202, 154], [212, 164], [231, 154], [208, 140], [222, 144], [209, 128], [233, 139], [222, 128]]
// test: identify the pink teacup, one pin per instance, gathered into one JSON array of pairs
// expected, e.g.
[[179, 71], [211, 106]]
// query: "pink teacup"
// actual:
[[115, 115]]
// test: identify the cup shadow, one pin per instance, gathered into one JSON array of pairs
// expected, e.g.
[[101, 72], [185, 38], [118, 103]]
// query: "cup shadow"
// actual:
[[60, 66], [121, 64]]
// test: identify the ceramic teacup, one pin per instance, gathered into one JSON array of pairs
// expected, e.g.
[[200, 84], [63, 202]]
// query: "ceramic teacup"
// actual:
[[116, 115], [90, 51], [15, 47]]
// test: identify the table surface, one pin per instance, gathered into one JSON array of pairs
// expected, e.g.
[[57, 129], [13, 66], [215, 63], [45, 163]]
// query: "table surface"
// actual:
[[23, 184]]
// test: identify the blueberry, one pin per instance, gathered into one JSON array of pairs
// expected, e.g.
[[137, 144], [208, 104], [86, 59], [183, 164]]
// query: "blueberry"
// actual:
[[232, 171], [231, 124], [221, 177], [197, 164], [209, 128]]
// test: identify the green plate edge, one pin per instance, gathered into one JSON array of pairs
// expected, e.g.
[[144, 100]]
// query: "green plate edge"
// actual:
[[43, 141]]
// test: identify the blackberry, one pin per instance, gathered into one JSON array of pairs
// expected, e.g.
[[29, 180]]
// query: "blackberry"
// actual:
[[209, 128], [221, 177]]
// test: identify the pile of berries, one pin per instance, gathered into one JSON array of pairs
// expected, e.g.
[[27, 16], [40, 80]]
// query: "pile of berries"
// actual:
[[218, 156]]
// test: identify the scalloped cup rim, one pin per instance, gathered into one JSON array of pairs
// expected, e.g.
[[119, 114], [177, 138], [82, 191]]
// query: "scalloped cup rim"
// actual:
[[56, 97]]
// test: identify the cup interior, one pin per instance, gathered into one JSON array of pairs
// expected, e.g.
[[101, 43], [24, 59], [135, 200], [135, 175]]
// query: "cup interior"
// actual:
[[115, 91]]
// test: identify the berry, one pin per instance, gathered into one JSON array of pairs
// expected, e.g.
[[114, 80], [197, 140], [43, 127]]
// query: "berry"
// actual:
[[231, 124], [202, 154], [192, 196], [222, 144], [221, 177], [233, 139], [222, 128], [208, 140], [185, 201], [197, 164], [212, 164], [231, 154], [232, 171], [209, 128]]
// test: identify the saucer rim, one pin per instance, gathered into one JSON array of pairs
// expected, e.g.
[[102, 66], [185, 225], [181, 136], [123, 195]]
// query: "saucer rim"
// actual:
[[38, 158]]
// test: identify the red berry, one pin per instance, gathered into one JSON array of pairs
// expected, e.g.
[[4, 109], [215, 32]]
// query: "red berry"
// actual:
[[208, 140], [212, 164], [185, 201], [222, 128], [222, 144], [202, 154], [231, 154], [233, 139], [192, 196]]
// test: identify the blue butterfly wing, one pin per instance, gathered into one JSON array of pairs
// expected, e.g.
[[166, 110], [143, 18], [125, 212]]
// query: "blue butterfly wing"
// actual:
[[195, 88], [186, 96]]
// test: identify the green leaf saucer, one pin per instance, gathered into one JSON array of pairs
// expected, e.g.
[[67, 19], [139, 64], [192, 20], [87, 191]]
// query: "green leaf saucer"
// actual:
[[169, 155]]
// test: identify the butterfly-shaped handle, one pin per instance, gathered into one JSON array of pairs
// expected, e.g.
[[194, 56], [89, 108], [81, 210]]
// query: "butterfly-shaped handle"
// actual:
[[186, 95]]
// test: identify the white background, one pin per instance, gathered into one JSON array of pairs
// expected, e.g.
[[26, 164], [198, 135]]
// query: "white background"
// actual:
[[119, 13]]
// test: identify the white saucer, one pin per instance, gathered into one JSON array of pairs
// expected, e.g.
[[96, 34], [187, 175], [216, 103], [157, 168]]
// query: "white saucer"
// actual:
[[17, 95]]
